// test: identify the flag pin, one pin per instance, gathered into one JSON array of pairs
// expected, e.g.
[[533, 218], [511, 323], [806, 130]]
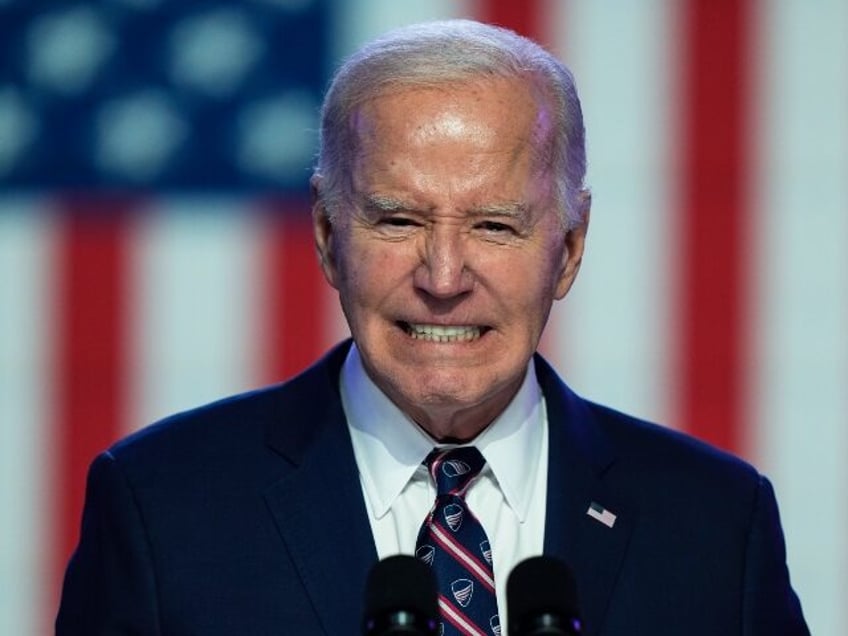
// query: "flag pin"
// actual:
[[599, 513]]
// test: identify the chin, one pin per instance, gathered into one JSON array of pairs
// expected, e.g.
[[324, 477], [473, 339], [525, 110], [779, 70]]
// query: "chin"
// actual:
[[455, 389], [414, 385]]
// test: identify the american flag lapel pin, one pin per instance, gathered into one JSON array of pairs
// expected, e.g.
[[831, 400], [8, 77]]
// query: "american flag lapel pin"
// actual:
[[599, 513]]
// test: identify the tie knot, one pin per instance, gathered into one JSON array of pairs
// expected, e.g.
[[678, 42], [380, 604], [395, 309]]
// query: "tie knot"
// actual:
[[454, 469]]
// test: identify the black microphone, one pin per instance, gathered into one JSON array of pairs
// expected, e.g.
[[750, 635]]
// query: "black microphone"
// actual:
[[400, 599], [541, 599]]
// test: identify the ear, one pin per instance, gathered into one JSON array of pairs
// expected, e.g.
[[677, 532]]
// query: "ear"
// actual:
[[322, 230], [572, 254]]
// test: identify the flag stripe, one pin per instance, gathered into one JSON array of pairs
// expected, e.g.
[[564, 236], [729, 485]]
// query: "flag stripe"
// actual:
[[523, 17], [26, 454], [194, 301], [610, 334], [294, 292], [714, 237], [354, 23], [800, 400], [91, 364]]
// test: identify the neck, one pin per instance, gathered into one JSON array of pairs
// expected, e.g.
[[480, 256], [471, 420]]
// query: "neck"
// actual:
[[458, 424]]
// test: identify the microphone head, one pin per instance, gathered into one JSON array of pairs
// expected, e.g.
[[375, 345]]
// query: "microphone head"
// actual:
[[542, 599], [400, 598]]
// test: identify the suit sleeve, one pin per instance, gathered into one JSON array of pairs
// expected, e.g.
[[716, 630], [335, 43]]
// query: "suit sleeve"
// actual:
[[109, 586], [770, 605]]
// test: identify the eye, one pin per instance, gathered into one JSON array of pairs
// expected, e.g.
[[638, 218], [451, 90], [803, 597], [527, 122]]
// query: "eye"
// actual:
[[397, 226], [398, 221], [495, 227]]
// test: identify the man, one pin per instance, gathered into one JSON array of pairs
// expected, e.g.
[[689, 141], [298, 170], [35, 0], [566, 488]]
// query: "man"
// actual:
[[450, 212]]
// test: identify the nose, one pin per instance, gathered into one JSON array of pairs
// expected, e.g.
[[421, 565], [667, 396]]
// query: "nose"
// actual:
[[443, 272]]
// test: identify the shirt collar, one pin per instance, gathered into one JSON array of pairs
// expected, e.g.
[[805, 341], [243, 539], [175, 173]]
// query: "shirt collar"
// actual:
[[389, 446]]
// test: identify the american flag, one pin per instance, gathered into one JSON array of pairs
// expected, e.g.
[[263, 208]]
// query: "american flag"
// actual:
[[155, 250], [599, 513]]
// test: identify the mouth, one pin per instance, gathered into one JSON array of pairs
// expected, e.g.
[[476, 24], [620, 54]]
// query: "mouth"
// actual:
[[443, 333]]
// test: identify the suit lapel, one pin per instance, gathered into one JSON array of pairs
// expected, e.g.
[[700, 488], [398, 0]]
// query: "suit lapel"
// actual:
[[318, 505], [579, 456]]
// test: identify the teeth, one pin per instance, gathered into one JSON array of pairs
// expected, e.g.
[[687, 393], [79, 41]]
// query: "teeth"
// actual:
[[441, 333]]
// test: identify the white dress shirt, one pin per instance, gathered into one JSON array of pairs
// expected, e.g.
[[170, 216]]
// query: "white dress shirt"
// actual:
[[508, 498]]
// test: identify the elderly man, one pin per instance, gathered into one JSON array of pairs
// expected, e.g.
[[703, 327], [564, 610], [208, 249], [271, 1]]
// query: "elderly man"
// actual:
[[450, 213]]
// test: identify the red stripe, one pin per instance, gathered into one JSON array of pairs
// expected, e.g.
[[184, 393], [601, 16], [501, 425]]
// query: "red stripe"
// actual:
[[522, 16], [714, 286], [91, 364], [461, 548], [449, 616], [294, 292]]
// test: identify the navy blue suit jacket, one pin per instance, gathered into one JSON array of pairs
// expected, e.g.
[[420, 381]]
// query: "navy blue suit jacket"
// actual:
[[247, 517]]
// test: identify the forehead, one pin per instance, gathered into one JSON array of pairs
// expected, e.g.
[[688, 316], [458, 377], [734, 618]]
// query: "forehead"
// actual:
[[455, 110], [483, 130], [467, 147]]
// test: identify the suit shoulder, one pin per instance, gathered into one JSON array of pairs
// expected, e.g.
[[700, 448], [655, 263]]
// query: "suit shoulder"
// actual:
[[204, 435], [648, 446], [238, 423], [676, 480], [628, 445]]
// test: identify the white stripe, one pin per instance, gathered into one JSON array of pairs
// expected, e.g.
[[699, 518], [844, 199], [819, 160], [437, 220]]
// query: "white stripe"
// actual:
[[610, 335], [802, 309], [447, 610], [26, 243], [457, 551], [194, 305], [355, 23]]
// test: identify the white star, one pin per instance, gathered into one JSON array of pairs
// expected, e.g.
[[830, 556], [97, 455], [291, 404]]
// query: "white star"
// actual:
[[213, 52], [137, 134], [18, 126], [66, 49], [278, 135]]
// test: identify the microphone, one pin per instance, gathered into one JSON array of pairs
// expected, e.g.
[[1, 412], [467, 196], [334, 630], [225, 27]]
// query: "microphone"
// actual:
[[541, 595], [400, 599]]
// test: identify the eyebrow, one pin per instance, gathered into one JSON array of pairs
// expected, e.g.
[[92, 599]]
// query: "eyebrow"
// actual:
[[512, 209], [388, 204], [383, 203]]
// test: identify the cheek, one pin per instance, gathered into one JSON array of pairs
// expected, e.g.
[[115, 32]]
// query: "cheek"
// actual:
[[530, 277], [370, 272], [554, 264]]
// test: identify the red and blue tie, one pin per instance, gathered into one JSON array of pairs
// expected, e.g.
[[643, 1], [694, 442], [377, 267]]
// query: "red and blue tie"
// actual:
[[454, 543]]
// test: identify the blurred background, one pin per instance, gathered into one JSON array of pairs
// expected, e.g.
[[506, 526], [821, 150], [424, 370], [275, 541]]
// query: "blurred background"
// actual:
[[155, 251]]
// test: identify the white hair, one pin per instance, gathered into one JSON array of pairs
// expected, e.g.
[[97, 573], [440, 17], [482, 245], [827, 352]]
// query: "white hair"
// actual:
[[433, 54]]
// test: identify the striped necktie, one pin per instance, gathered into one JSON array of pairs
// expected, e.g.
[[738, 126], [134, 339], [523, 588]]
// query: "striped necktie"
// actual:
[[454, 543]]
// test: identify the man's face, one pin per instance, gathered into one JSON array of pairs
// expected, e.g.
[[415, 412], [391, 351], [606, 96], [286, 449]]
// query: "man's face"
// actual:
[[451, 252]]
